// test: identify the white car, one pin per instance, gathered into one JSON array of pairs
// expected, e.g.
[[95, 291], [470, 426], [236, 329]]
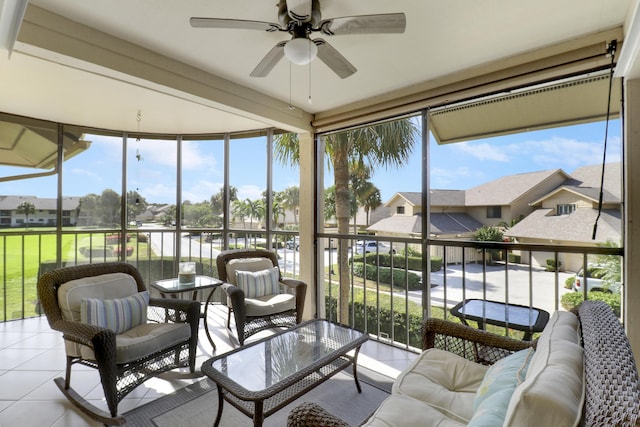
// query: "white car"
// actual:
[[294, 243], [594, 282], [366, 247]]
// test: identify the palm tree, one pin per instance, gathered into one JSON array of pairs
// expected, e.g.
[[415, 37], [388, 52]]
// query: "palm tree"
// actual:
[[240, 210], [370, 198], [217, 202], [292, 200], [387, 144], [26, 208], [278, 208], [366, 193]]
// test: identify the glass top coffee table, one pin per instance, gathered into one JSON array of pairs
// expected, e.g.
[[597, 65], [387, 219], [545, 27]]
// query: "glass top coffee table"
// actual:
[[262, 377]]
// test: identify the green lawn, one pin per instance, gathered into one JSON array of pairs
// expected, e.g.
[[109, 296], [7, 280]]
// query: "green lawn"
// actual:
[[23, 254]]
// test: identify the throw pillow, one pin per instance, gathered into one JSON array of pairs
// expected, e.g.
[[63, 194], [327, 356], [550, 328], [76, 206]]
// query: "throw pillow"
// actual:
[[500, 381], [258, 283], [119, 314]]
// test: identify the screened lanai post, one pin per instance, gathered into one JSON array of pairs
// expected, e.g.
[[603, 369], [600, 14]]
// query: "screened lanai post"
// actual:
[[426, 217]]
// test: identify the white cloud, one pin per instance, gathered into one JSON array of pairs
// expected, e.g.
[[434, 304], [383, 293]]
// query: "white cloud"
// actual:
[[451, 178], [87, 173], [483, 151], [251, 192], [201, 191], [159, 193], [566, 153]]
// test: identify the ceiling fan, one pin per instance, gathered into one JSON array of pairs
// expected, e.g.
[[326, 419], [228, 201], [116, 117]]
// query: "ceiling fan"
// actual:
[[300, 18]]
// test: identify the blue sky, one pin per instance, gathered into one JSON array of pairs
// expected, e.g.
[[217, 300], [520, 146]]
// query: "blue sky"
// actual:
[[465, 165], [454, 166]]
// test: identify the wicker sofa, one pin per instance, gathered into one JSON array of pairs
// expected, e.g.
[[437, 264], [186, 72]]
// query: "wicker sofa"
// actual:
[[580, 371]]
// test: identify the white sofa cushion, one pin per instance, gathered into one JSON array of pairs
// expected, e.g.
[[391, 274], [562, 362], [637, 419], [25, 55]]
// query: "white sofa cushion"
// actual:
[[443, 380], [404, 411], [553, 391]]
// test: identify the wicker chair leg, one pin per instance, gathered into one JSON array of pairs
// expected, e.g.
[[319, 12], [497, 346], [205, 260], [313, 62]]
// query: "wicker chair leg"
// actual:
[[67, 377]]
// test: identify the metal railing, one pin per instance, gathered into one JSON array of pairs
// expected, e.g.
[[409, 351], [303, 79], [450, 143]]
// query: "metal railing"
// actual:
[[392, 287], [156, 252]]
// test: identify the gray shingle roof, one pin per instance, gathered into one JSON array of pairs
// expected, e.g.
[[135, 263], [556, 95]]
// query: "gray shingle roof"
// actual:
[[508, 189], [437, 197], [10, 203], [590, 176], [575, 227], [441, 223]]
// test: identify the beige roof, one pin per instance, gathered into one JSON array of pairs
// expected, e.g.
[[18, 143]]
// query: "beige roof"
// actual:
[[506, 190], [575, 227], [590, 176], [11, 202], [437, 198], [590, 193], [441, 223]]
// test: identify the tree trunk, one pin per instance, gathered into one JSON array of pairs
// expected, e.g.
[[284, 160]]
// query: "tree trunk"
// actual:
[[343, 198]]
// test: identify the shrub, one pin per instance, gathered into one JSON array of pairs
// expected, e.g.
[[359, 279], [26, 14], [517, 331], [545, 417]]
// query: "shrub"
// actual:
[[514, 258], [551, 265], [436, 263], [568, 284], [386, 275], [384, 260], [383, 318], [572, 300]]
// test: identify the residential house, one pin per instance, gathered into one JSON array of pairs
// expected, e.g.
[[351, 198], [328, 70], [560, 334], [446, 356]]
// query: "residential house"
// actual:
[[154, 213], [567, 215], [507, 199], [448, 220], [44, 215], [536, 207]]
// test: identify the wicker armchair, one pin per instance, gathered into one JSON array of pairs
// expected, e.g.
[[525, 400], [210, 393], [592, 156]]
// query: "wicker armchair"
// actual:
[[252, 315], [166, 340]]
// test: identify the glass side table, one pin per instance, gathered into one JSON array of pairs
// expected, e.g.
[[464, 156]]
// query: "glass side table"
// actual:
[[514, 316], [172, 287]]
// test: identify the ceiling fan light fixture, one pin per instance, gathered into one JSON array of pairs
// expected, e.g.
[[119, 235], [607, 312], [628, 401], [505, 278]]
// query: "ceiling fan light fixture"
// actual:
[[300, 51]]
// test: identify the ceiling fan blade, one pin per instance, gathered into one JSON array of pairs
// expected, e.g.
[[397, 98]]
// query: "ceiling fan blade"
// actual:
[[365, 24], [269, 61], [234, 24], [299, 10], [334, 60]]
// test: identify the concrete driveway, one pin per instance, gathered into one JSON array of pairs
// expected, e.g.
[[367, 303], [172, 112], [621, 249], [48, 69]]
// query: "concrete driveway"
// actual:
[[501, 285]]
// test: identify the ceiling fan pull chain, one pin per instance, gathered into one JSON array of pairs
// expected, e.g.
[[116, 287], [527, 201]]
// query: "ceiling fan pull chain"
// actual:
[[291, 107], [309, 100]]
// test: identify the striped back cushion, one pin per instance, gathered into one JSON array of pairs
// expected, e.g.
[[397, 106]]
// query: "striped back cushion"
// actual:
[[259, 283], [119, 315]]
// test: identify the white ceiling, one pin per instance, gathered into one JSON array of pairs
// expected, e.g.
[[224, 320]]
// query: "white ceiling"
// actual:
[[104, 90]]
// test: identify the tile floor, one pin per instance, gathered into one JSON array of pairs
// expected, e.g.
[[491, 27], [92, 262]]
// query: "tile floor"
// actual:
[[32, 355]]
